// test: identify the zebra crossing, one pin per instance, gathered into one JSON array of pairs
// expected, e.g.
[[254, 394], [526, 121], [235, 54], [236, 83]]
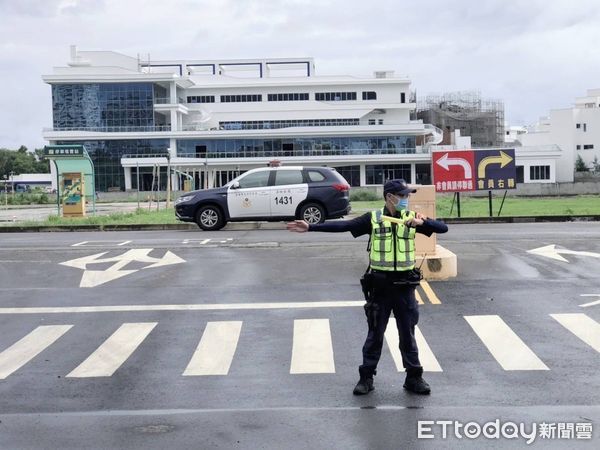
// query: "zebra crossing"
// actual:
[[311, 350]]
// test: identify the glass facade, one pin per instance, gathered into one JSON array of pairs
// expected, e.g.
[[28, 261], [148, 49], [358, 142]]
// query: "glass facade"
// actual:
[[351, 174], [106, 156], [379, 174], [315, 146], [103, 107]]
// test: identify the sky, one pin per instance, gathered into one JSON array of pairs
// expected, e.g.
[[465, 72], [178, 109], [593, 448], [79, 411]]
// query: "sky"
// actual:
[[534, 55]]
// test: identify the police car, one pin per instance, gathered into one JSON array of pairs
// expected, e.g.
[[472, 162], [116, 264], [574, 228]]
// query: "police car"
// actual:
[[269, 193]]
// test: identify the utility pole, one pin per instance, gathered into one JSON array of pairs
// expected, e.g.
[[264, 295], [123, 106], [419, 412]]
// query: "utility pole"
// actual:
[[168, 178], [5, 192]]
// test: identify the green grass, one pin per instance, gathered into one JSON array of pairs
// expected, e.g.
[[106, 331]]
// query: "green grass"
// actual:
[[140, 216], [513, 206], [470, 207]]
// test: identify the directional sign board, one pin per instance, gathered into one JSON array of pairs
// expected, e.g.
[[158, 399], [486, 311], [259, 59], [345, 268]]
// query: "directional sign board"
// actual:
[[473, 170]]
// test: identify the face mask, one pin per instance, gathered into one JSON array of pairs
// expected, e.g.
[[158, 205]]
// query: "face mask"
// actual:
[[402, 204]]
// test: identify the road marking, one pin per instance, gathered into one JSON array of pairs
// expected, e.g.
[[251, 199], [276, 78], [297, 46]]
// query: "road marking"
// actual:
[[550, 251], [504, 345], [79, 243], [312, 350], [586, 305], [215, 350], [27, 348], [114, 351], [429, 292], [582, 326], [184, 307], [93, 278], [125, 242], [426, 356], [418, 297]]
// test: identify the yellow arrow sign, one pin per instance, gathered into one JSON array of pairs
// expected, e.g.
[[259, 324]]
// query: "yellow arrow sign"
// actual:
[[503, 160]]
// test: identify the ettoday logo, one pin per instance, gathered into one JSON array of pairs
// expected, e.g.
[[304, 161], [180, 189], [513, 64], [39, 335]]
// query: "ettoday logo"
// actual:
[[430, 429]]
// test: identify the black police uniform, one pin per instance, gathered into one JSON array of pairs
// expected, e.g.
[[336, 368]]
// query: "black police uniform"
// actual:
[[390, 293]]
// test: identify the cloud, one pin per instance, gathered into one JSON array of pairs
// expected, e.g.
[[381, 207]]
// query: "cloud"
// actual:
[[533, 54]]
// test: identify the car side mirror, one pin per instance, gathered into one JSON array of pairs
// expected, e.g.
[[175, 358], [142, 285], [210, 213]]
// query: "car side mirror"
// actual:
[[235, 185]]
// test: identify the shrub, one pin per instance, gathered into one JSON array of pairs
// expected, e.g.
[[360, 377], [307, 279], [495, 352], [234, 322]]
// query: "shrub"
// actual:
[[363, 195]]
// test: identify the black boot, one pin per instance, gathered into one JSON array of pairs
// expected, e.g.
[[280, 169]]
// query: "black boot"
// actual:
[[365, 384], [415, 383]]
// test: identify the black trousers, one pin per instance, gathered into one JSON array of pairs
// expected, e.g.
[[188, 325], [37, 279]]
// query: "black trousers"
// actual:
[[401, 300]]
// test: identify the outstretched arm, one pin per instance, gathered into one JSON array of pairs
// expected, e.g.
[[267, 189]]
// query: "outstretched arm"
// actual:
[[357, 226]]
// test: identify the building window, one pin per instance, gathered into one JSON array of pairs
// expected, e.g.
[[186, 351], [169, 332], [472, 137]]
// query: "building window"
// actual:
[[292, 97], [334, 96], [371, 121], [578, 147], [381, 173], [588, 147], [369, 95], [584, 127], [402, 97], [351, 174], [201, 99], [520, 174], [578, 126], [241, 98], [539, 172], [380, 121]]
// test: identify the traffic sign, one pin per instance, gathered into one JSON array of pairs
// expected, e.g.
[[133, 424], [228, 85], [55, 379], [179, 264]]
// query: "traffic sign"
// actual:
[[473, 170]]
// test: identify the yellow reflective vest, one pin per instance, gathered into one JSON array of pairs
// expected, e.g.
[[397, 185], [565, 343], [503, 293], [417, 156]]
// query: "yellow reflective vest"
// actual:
[[392, 247]]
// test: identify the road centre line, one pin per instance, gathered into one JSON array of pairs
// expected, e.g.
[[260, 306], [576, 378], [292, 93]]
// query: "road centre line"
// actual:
[[184, 307], [79, 243], [430, 294]]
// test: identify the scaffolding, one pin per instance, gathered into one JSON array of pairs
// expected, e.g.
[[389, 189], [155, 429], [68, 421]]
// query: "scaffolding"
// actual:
[[482, 119]]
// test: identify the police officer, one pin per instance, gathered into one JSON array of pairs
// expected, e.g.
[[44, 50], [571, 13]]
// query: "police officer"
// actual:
[[392, 279]]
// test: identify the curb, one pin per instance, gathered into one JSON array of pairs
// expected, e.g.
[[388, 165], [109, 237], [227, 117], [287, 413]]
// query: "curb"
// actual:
[[248, 226]]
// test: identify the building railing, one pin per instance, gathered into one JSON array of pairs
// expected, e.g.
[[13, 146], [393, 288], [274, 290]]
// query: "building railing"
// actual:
[[121, 129], [167, 100], [291, 153]]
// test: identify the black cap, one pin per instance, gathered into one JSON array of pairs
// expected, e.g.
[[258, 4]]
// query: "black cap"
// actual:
[[398, 186]]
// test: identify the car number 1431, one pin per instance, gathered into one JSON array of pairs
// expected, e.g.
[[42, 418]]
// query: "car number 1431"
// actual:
[[285, 200]]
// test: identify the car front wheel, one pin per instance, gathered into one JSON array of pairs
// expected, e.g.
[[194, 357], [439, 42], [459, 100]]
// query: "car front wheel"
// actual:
[[312, 213], [210, 218]]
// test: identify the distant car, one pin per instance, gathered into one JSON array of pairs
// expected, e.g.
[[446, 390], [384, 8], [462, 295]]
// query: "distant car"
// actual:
[[269, 193]]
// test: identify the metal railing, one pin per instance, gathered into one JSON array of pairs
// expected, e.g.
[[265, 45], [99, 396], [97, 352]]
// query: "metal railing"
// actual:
[[167, 100], [120, 129], [291, 153]]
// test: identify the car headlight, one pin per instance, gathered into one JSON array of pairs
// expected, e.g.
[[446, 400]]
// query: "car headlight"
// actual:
[[185, 198]]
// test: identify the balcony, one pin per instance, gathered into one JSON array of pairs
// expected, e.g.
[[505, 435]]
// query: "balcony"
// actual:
[[120, 129]]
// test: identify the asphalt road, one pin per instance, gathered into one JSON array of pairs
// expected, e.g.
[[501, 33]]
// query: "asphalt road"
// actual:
[[208, 348]]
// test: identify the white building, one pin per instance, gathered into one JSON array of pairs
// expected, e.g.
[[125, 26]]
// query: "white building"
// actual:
[[575, 131], [217, 118]]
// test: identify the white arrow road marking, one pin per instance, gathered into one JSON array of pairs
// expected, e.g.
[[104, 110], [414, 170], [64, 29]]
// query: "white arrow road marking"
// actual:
[[585, 305], [93, 278], [446, 162], [550, 251]]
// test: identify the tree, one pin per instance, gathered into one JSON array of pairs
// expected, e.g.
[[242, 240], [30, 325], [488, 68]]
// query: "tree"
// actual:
[[596, 165], [580, 165], [21, 161]]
